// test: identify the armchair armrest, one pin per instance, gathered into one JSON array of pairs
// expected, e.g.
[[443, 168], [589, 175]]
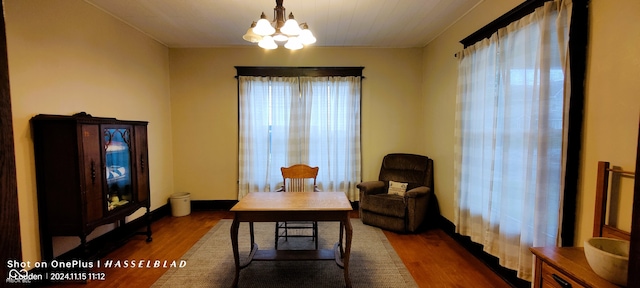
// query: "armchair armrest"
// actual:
[[418, 192], [371, 187]]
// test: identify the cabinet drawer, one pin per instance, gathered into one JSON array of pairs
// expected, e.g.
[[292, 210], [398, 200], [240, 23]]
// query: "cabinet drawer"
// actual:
[[552, 277]]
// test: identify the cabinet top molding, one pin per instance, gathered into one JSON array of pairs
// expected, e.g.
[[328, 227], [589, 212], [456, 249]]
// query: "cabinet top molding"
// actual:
[[85, 118]]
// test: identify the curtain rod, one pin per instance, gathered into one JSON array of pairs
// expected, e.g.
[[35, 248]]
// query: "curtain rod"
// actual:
[[297, 71]]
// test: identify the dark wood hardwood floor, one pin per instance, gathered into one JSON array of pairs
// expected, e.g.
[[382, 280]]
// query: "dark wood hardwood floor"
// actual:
[[433, 258]]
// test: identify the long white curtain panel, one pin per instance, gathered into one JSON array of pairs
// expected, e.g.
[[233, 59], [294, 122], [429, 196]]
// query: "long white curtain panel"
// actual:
[[511, 108]]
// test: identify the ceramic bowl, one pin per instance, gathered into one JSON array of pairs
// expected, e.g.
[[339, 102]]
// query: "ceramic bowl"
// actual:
[[609, 258]]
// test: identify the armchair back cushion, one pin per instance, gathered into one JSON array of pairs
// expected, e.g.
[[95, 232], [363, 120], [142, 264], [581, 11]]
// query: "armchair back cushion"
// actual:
[[407, 168]]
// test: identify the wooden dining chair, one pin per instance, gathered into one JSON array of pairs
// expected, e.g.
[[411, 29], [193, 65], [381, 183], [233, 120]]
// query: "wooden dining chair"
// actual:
[[298, 178]]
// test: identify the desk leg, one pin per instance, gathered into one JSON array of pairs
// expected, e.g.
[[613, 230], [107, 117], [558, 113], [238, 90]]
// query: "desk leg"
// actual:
[[341, 238], [253, 238], [347, 250], [236, 254]]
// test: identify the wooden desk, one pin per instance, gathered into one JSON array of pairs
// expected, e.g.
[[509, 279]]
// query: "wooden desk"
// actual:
[[289, 206], [556, 265]]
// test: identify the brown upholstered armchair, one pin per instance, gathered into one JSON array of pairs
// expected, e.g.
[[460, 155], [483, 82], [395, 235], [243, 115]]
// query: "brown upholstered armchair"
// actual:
[[394, 211]]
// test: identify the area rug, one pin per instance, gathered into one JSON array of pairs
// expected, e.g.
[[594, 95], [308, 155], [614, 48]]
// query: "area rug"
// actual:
[[209, 263]]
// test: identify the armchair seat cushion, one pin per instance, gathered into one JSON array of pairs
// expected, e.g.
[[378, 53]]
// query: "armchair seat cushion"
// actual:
[[385, 204]]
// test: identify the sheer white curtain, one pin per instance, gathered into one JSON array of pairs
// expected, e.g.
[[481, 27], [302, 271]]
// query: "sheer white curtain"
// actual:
[[290, 120], [511, 105], [264, 131], [335, 131]]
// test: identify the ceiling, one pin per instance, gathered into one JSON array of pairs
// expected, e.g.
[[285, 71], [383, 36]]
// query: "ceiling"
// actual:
[[342, 23]]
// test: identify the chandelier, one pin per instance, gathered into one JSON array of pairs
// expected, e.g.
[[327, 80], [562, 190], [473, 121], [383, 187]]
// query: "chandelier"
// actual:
[[266, 33]]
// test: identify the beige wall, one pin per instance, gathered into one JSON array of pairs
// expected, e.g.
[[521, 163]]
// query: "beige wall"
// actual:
[[612, 99], [205, 109], [66, 56], [612, 104]]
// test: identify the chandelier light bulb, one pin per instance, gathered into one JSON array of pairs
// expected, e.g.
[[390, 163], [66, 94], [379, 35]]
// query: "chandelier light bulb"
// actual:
[[251, 36], [291, 27], [263, 27], [306, 37], [293, 44], [267, 43]]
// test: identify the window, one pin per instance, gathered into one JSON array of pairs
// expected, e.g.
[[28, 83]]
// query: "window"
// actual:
[[307, 119], [512, 102]]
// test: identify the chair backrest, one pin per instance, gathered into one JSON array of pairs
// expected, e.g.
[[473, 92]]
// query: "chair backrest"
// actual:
[[299, 178], [417, 170]]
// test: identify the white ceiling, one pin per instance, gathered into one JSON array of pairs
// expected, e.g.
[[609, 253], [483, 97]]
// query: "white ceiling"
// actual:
[[355, 23]]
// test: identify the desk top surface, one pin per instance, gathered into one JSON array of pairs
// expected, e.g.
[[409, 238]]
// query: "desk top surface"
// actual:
[[293, 201], [571, 260]]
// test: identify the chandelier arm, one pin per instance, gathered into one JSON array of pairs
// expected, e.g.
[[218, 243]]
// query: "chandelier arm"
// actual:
[[274, 15]]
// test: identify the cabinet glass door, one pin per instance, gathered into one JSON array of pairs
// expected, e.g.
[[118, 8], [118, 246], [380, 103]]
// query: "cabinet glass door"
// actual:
[[118, 166]]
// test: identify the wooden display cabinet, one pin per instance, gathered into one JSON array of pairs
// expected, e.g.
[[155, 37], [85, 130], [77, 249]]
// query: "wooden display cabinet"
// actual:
[[90, 171]]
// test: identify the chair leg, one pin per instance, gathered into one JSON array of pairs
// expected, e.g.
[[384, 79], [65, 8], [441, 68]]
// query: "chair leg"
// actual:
[[286, 231], [315, 233], [277, 232]]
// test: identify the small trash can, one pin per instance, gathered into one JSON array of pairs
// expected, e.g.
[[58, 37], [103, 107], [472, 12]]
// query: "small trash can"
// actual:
[[180, 204]]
